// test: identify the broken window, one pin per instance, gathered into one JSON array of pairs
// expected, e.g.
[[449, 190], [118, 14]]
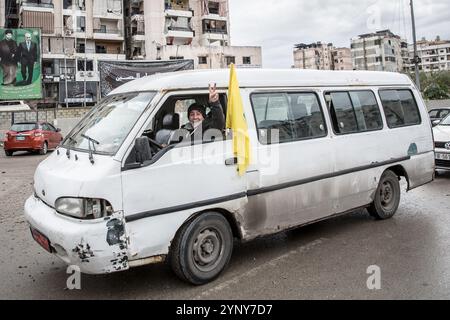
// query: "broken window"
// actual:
[[247, 60], [89, 65]]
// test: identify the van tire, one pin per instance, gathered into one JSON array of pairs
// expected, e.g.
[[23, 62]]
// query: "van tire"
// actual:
[[8, 153], [44, 148], [202, 248], [387, 197]]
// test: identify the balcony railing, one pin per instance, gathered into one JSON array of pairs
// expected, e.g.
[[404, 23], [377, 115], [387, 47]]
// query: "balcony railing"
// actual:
[[138, 33], [180, 29], [216, 31], [108, 31], [38, 4]]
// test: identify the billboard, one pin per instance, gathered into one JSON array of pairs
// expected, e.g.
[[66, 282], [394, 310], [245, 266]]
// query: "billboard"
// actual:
[[20, 64], [76, 93], [113, 74]]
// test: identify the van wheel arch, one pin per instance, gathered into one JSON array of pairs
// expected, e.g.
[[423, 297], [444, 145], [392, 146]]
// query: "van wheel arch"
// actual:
[[400, 171], [227, 215]]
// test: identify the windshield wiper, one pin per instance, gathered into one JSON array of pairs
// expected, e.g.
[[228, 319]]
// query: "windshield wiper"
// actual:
[[68, 150], [90, 140]]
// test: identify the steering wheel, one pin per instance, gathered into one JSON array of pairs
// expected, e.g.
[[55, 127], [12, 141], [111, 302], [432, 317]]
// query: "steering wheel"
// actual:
[[156, 144]]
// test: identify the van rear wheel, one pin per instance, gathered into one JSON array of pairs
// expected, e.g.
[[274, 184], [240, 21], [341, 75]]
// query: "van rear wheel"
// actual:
[[387, 197], [8, 153], [202, 248]]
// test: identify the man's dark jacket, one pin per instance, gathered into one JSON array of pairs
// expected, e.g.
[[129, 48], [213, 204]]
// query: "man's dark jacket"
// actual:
[[28, 57], [8, 52]]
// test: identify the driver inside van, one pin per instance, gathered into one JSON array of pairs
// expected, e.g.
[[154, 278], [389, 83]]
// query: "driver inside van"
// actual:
[[199, 123]]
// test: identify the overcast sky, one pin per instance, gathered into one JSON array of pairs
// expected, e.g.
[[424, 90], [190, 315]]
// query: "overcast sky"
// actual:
[[277, 25]]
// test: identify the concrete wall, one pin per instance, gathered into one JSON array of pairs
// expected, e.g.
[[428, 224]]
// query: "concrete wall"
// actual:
[[434, 104], [63, 118]]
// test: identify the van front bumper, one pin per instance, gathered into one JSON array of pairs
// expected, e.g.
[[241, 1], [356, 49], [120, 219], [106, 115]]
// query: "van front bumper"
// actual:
[[96, 247]]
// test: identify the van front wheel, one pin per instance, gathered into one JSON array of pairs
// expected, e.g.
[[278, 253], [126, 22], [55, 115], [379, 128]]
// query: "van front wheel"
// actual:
[[202, 248], [387, 197]]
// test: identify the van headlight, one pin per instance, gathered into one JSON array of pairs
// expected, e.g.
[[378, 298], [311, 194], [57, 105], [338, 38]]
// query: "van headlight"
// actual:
[[84, 208]]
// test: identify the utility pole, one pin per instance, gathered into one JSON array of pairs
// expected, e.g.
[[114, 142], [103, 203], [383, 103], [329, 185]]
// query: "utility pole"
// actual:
[[416, 56], [65, 57], [85, 69]]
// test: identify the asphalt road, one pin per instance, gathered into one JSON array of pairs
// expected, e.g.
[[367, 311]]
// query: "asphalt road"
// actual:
[[328, 260]]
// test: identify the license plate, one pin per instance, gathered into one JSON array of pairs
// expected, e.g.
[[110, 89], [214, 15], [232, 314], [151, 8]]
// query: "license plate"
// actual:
[[443, 156], [20, 138], [41, 239]]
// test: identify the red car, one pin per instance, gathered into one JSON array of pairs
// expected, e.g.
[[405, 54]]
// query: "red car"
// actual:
[[31, 136]]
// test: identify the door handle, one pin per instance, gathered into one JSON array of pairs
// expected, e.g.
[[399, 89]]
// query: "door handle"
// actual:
[[231, 161]]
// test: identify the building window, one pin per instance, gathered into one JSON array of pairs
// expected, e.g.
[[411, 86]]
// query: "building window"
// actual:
[[202, 60], [246, 60], [81, 24], [100, 48], [89, 65], [230, 60]]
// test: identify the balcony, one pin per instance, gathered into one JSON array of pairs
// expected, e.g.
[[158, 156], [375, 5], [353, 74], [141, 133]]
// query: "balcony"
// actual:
[[37, 5], [108, 34], [137, 36], [179, 36]]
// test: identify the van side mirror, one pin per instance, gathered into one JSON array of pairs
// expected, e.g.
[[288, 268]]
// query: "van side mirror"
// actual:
[[143, 150], [58, 129], [436, 122]]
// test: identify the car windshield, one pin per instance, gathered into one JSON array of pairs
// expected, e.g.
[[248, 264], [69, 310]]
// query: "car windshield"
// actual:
[[446, 121], [21, 127], [109, 123]]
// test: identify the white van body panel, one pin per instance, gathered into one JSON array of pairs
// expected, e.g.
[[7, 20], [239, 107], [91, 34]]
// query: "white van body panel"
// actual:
[[287, 185], [60, 176]]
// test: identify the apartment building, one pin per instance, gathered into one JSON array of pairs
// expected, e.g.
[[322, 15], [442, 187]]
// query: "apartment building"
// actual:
[[322, 56], [434, 55], [184, 29], [75, 34], [342, 59], [380, 51]]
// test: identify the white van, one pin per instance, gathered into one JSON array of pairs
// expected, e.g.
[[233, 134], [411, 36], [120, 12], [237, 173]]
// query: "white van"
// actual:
[[323, 144]]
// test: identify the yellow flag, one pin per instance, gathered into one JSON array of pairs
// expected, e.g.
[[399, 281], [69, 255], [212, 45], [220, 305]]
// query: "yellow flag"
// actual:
[[238, 124]]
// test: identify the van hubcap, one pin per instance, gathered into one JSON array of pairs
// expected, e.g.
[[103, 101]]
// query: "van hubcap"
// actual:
[[387, 195], [207, 249]]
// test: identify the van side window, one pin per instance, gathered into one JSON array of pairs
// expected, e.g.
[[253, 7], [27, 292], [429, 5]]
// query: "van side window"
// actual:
[[286, 117], [354, 111], [400, 108]]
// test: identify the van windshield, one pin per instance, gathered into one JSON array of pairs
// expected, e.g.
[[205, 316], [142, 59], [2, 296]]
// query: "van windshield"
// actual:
[[109, 123]]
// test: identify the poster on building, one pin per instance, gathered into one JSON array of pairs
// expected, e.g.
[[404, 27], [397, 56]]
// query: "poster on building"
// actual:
[[76, 92], [20, 64], [113, 74]]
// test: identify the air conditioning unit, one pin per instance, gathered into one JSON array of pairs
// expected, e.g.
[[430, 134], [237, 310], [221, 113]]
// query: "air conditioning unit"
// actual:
[[68, 32], [81, 74], [90, 74]]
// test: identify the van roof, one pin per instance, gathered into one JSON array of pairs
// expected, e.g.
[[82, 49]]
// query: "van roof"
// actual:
[[263, 78]]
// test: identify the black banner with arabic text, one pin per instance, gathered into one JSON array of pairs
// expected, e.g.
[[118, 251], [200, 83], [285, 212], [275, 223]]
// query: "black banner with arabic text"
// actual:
[[113, 74]]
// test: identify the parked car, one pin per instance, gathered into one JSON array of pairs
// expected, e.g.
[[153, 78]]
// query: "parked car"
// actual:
[[442, 144], [31, 136], [439, 114]]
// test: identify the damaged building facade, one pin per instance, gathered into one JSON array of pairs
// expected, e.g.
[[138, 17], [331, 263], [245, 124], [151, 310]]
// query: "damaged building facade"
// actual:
[[322, 56], [185, 29], [380, 51], [76, 34]]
